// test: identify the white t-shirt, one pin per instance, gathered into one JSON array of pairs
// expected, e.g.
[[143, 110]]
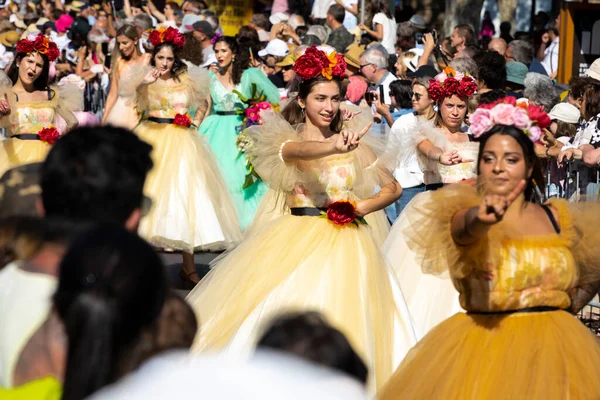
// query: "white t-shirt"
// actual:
[[389, 31], [550, 62], [385, 82], [408, 173], [320, 8], [350, 20]]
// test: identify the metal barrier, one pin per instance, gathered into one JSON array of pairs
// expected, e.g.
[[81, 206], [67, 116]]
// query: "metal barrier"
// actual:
[[590, 316], [576, 179]]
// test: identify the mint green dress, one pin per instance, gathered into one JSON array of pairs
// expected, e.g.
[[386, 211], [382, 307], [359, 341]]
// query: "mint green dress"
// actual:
[[220, 131]]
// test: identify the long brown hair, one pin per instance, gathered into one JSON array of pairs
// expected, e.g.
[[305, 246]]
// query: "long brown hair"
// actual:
[[293, 112], [130, 32]]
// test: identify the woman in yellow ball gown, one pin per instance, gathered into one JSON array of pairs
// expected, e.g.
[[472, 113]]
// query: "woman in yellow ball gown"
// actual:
[[307, 261], [514, 264], [28, 104], [192, 209]]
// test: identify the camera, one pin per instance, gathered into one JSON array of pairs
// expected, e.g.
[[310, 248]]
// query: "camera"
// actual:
[[420, 35]]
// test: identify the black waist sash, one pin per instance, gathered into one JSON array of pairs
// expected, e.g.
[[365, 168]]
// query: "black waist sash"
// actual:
[[227, 113], [27, 136], [307, 211], [161, 120]]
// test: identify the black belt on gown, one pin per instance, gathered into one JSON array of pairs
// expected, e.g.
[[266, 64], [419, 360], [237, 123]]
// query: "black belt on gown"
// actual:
[[227, 113], [27, 136], [520, 310], [161, 120], [307, 211]]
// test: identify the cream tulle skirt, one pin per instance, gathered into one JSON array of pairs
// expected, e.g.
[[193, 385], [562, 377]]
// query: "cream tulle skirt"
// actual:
[[539, 355], [16, 152], [191, 207], [430, 298], [301, 264], [273, 206], [123, 115]]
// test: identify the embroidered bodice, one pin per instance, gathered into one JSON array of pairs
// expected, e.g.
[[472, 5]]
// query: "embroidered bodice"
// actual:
[[167, 100], [31, 117], [456, 173]]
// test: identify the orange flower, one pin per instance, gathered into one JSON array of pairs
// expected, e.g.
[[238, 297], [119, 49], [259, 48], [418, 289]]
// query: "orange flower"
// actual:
[[449, 71], [328, 71]]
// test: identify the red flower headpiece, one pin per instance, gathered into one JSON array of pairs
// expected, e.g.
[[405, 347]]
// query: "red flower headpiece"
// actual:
[[169, 35], [40, 44], [316, 62], [450, 83]]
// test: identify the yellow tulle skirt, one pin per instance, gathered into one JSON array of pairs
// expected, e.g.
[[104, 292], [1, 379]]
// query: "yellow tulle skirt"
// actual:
[[539, 355], [306, 264], [16, 152], [191, 209]]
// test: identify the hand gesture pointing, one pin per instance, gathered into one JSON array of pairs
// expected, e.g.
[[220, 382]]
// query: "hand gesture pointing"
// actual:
[[493, 207], [347, 141]]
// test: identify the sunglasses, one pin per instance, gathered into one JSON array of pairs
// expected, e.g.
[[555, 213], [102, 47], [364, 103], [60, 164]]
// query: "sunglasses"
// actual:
[[287, 67]]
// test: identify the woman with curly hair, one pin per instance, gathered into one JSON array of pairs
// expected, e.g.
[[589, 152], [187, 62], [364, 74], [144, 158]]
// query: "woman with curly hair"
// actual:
[[233, 78], [192, 209]]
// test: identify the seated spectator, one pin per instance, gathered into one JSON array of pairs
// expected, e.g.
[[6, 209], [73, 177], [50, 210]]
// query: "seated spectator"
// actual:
[[309, 336], [540, 90], [515, 79]]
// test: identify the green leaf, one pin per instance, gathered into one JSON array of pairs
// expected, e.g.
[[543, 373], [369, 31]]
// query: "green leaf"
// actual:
[[241, 96], [362, 220]]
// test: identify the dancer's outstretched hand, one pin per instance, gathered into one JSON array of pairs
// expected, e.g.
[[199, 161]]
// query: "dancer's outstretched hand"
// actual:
[[151, 76], [4, 106], [348, 141], [493, 207], [453, 158]]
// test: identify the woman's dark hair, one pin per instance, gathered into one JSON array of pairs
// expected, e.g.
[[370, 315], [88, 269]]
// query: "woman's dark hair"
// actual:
[[301, 31], [577, 86], [309, 336], [492, 70], [565, 129], [401, 90], [592, 101], [247, 38], [111, 290], [531, 160], [491, 96], [294, 114], [41, 83], [241, 60], [380, 6], [191, 51], [179, 67]]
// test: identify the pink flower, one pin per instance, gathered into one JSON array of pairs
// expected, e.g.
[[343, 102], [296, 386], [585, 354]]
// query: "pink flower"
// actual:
[[459, 76], [441, 77], [521, 118], [264, 105], [481, 121], [535, 133], [503, 114], [342, 172]]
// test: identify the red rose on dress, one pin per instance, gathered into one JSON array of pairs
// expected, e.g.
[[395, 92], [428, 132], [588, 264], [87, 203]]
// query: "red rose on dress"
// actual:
[[49, 135], [467, 87], [450, 86], [341, 213], [154, 38], [25, 46], [436, 92], [311, 63], [537, 114], [340, 68], [182, 120]]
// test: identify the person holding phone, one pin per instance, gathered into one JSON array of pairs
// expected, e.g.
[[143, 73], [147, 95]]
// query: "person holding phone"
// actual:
[[373, 66]]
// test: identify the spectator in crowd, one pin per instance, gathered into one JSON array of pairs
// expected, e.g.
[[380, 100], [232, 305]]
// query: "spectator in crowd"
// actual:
[[462, 36], [275, 51], [565, 121], [90, 175], [261, 24], [318, 31], [384, 25], [515, 79], [498, 45], [471, 51], [352, 58], [577, 87], [540, 91], [309, 336], [168, 17], [492, 72], [548, 52], [319, 11], [373, 66], [203, 33], [401, 98], [490, 96], [522, 51], [487, 27], [339, 38], [193, 7], [405, 37], [289, 75], [355, 89], [465, 65], [505, 29], [351, 10]]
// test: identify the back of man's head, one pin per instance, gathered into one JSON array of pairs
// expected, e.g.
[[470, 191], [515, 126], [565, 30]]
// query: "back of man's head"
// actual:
[[338, 12], [466, 32], [143, 21], [521, 51], [95, 174]]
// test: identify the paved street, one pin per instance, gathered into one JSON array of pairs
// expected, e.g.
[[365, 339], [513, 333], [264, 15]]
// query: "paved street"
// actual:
[[173, 263]]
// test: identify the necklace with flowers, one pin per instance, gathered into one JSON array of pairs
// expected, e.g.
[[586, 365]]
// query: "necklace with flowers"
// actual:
[[449, 83], [506, 111], [39, 44]]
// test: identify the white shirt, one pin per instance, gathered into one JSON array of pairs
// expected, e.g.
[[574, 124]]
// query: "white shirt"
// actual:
[[550, 62], [25, 302], [320, 8], [350, 20], [389, 31], [408, 172], [385, 82]]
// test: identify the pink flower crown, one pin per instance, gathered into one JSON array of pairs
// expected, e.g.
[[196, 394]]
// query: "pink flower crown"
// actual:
[[40, 44], [450, 83], [528, 117], [169, 35], [316, 62]]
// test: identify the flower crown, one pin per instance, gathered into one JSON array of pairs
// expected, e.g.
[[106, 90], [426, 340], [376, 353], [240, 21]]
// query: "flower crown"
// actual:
[[168, 35], [40, 44], [215, 38], [316, 62], [528, 117], [450, 83]]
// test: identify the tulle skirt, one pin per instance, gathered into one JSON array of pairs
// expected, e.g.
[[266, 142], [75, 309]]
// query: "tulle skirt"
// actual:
[[191, 207], [15, 152], [273, 206], [123, 115], [306, 264], [543, 355], [431, 299]]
